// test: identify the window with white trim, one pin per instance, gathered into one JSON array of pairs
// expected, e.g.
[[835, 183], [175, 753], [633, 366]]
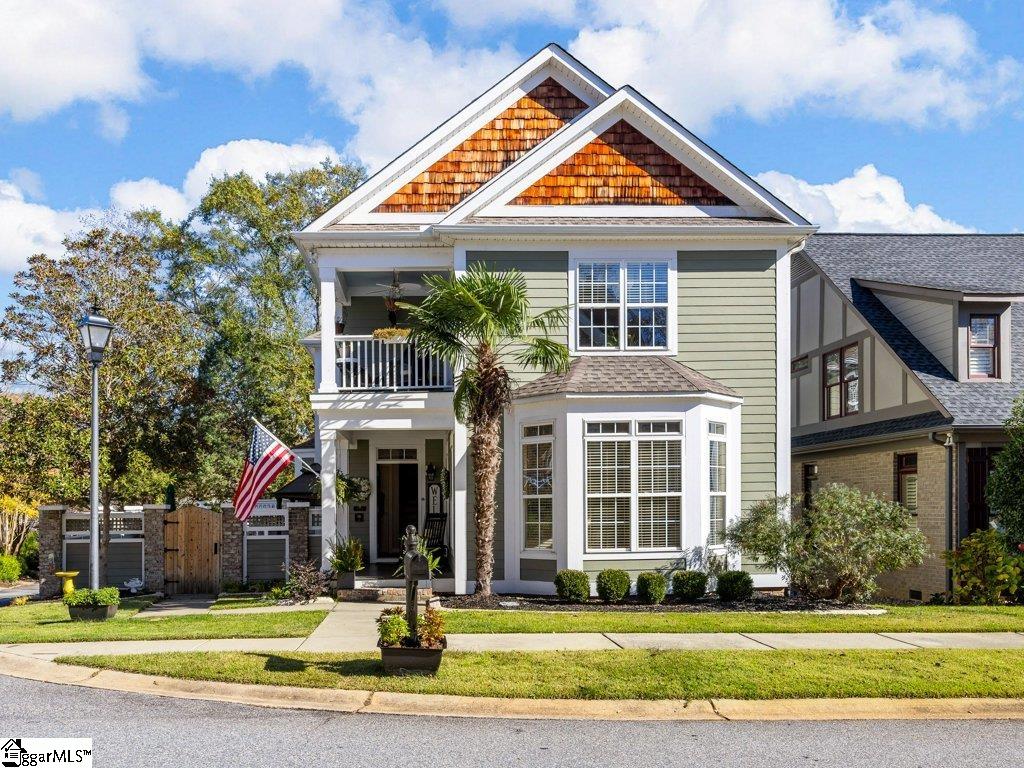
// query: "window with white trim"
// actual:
[[537, 463], [634, 485], [717, 482], [622, 305]]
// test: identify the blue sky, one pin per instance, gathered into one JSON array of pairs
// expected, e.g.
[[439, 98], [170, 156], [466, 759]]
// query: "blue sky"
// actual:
[[904, 116]]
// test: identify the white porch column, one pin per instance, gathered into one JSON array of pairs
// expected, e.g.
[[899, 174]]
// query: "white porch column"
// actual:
[[331, 444], [460, 485], [328, 347]]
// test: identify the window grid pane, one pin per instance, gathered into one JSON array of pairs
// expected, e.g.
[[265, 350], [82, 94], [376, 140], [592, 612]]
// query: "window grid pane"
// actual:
[[537, 499], [605, 312], [717, 486]]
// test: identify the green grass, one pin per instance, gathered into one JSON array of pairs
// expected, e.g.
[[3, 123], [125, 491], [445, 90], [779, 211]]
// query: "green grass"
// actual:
[[48, 622], [230, 603], [925, 618], [632, 674]]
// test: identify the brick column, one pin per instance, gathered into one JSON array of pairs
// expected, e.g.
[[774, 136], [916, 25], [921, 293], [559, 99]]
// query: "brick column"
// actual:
[[230, 546], [153, 531], [51, 550], [298, 533]]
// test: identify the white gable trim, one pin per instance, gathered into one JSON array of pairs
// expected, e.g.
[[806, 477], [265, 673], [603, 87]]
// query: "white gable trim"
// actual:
[[551, 61], [493, 198]]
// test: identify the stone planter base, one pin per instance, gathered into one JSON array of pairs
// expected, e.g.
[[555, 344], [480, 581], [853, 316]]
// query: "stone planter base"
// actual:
[[346, 580], [399, 660], [91, 612]]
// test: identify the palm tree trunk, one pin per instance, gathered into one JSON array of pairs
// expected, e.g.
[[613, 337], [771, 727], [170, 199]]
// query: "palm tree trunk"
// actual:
[[486, 452]]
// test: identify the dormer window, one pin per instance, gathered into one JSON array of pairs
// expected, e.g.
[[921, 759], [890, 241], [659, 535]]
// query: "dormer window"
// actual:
[[624, 305], [983, 351]]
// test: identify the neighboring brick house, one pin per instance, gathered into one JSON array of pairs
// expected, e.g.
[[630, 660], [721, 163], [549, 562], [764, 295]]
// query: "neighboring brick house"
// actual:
[[907, 356]]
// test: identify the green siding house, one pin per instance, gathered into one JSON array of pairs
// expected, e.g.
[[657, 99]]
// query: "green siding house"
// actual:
[[675, 266]]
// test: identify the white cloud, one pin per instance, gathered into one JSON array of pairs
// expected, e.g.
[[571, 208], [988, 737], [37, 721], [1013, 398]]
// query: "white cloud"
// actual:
[[113, 122], [28, 181], [474, 14], [28, 227], [898, 62], [867, 201]]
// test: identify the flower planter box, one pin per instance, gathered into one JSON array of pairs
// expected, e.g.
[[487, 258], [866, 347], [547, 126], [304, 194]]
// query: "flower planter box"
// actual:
[[399, 660], [347, 580], [92, 612]]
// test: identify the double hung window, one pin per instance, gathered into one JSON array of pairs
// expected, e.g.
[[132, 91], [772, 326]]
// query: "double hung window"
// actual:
[[622, 305]]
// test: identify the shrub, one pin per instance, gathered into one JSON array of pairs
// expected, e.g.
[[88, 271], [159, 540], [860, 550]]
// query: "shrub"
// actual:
[[10, 568], [392, 627], [689, 586], [735, 585], [232, 586], [985, 572], [28, 555], [278, 593], [346, 555], [430, 628], [651, 588], [93, 597], [837, 548], [572, 586], [306, 582], [612, 585]]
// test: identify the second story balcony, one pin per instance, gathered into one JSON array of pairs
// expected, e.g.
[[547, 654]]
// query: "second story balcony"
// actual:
[[366, 364]]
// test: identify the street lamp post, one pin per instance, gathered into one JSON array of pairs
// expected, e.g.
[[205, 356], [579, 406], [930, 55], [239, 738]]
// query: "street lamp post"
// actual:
[[95, 330]]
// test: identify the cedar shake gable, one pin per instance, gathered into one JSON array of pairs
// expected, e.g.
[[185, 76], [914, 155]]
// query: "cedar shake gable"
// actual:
[[622, 167], [487, 152]]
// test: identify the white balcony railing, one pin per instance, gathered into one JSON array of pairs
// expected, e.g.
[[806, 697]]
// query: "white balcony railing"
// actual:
[[366, 364]]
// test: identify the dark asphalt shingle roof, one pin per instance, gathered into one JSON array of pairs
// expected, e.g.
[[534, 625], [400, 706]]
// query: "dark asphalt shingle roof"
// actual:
[[967, 263], [933, 420], [618, 374]]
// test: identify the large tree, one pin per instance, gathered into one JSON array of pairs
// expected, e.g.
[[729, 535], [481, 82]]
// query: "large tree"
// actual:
[[234, 266], [147, 373], [1005, 488], [476, 322]]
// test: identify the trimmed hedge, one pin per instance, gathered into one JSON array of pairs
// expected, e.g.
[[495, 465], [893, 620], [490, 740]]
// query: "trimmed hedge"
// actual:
[[735, 585], [572, 586], [612, 585], [651, 588], [689, 586]]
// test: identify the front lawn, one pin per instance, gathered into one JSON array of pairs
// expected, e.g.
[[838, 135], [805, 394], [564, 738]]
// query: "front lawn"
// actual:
[[230, 603], [924, 618], [48, 622], [632, 674]]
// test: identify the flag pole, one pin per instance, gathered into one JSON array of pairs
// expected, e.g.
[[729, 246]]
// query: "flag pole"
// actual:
[[293, 453]]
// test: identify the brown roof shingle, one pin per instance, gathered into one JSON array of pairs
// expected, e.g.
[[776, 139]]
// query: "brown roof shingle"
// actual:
[[617, 374]]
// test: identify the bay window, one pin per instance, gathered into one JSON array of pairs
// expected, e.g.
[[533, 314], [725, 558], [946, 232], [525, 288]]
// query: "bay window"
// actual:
[[623, 305], [537, 457], [634, 485]]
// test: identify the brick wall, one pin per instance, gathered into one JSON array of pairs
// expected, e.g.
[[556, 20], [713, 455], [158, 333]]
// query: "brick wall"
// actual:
[[298, 534], [871, 469], [50, 550], [230, 546], [153, 530]]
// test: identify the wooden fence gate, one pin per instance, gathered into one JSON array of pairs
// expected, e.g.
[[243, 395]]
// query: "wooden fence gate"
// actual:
[[192, 551]]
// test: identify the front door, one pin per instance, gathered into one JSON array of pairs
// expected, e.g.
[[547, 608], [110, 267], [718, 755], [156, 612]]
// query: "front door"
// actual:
[[397, 505], [979, 466]]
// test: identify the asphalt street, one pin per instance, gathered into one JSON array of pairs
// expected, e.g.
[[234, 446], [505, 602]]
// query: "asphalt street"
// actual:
[[139, 730]]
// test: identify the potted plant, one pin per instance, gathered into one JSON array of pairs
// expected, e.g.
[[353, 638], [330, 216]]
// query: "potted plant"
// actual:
[[403, 652], [352, 489], [391, 335], [346, 559], [93, 604]]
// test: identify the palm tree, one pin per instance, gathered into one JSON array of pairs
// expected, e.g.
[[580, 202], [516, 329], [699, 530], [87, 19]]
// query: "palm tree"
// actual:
[[476, 322]]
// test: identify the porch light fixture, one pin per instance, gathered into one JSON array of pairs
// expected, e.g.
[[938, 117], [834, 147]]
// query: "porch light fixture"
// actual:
[[95, 330]]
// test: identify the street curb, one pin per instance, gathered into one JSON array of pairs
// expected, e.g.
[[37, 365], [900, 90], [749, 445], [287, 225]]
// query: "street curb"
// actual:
[[386, 703]]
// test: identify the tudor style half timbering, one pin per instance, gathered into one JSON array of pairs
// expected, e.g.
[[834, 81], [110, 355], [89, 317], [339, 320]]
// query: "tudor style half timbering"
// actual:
[[675, 267], [487, 152], [622, 167]]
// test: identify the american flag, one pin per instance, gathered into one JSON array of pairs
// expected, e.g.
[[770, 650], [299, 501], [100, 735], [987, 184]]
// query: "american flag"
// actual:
[[266, 459]]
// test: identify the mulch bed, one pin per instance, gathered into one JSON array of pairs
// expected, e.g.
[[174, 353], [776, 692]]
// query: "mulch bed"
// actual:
[[706, 605]]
